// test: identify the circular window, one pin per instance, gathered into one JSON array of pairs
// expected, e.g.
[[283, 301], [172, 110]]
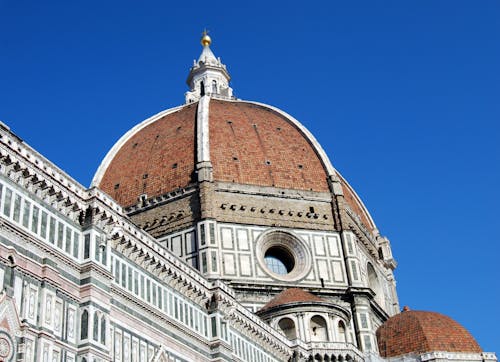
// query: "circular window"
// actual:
[[279, 260], [7, 347], [283, 255]]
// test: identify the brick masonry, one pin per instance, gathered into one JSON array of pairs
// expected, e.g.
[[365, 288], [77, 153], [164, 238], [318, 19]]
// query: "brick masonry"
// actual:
[[250, 144], [282, 211], [169, 217], [157, 159], [419, 332]]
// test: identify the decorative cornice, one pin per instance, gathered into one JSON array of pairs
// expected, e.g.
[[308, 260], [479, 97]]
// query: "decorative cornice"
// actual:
[[296, 307]]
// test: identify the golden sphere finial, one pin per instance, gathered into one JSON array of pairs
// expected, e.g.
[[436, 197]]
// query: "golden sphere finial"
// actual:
[[205, 39]]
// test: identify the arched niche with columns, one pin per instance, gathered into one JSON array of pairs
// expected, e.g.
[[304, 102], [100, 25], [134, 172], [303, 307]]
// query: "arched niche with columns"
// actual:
[[287, 327], [318, 329]]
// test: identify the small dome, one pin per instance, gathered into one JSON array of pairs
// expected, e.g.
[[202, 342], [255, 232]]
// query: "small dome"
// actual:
[[290, 296], [420, 332]]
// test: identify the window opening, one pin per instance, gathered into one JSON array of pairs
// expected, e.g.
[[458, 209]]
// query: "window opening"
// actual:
[[342, 335], [318, 329], [95, 334], [84, 325], [103, 330], [202, 89], [34, 219], [279, 260], [287, 327], [380, 254]]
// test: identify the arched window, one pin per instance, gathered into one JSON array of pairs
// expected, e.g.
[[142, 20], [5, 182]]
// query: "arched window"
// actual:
[[374, 284], [202, 89], [103, 330], [9, 277], [95, 329], [373, 281], [86, 246], [380, 254], [318, 329], [287, 327], [214, 87], [84, 359], [341, 330], [46, 354], [104, 253], [84, 325]]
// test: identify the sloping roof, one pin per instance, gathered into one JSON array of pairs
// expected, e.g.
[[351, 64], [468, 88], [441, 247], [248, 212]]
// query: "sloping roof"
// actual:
[[292, 295]]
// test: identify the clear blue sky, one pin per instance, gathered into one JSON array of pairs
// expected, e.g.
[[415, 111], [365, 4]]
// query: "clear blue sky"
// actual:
[[403, 95]]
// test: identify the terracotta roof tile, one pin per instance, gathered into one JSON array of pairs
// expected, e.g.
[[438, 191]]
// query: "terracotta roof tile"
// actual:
[[249, 144], [419, 332], [292, 295]]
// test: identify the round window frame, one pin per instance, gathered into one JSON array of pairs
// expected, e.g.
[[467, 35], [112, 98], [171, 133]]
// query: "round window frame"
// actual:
[[293, 245], [5, 335]]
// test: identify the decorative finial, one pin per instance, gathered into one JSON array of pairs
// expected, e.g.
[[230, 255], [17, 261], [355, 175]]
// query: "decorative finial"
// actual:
[[205, 39], [406, 308]]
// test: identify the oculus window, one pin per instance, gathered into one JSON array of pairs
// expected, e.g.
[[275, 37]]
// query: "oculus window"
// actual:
[[283, 255], [279, 260]]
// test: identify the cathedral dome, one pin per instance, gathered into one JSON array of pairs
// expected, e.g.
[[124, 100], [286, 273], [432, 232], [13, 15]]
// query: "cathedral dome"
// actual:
[[249, 144], [216, 137], [420, 331]]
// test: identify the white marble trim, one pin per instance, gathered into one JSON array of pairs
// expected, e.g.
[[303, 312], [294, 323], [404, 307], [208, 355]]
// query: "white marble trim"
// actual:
[[202, 130]]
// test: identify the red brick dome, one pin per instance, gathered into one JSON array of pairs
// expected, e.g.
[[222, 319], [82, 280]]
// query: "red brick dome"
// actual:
[[419, 332], [249, 144]]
